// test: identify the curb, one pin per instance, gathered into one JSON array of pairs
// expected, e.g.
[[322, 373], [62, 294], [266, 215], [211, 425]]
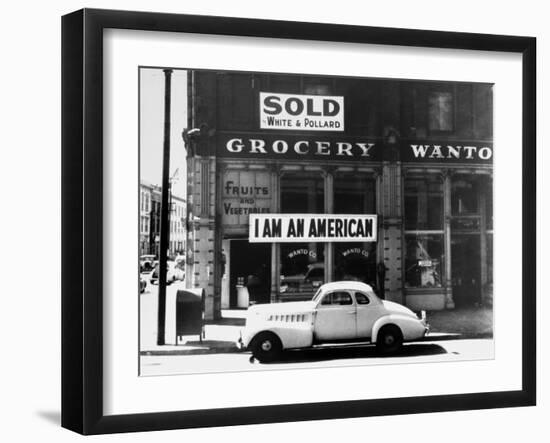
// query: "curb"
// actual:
[[195, 351], [235, 350]]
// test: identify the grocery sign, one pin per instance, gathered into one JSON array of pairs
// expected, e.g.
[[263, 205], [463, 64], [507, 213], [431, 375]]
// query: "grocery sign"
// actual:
[[294, 228], [298, 112]]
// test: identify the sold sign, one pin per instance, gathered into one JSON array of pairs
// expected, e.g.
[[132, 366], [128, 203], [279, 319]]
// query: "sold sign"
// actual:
[[300, 112]]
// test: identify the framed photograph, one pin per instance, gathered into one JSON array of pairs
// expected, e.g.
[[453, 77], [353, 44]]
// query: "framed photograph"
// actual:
[[269, 221]]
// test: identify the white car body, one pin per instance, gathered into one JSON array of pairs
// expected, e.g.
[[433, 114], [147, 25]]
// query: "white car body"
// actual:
[[358, 317]]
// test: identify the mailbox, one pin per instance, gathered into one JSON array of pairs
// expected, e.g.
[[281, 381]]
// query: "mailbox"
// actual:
[[190, 312]]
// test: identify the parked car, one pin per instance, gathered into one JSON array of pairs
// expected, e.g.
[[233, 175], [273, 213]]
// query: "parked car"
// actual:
[[308, 282], [179, 266], [146, 263], [340, 312], [173, 273]]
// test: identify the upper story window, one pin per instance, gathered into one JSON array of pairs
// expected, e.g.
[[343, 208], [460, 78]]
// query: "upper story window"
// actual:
[[317, 86], [440, 111], [237, 108]]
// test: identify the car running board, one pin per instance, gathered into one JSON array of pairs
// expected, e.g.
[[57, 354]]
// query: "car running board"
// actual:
[[342, 344]]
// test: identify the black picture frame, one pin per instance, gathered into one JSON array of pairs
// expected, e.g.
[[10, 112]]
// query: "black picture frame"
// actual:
[[82, 231]]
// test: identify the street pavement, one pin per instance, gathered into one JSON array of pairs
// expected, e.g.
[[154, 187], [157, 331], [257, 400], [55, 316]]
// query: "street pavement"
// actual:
[[423, 352], [217, 350]]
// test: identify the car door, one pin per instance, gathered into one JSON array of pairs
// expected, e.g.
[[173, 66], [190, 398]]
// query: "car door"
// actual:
[[369, 309], [335, 317]]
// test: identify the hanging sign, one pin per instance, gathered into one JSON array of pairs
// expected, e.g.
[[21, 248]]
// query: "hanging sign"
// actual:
[[295, 228], [298, 112]]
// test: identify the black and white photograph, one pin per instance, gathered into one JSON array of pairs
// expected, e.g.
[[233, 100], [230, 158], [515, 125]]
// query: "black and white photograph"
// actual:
[[295, 221]]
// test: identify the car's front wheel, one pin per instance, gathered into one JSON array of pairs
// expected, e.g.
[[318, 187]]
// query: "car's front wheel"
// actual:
[[389, 339], [266, 347]]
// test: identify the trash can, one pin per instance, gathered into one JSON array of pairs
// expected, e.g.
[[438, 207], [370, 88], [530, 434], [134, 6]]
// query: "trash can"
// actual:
[[190, 312]]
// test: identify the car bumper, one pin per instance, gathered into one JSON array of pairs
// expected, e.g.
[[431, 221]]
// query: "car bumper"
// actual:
[[426, 326], [240, 342]]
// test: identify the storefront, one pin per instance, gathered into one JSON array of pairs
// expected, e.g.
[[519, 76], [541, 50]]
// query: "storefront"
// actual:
[[413, 159]]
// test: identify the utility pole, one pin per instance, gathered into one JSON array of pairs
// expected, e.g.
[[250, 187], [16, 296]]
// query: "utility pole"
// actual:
[[164, 211]]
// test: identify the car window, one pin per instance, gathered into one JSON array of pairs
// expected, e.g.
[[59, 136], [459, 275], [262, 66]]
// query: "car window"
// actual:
[[361, 299], [317, 295], [337, 298]]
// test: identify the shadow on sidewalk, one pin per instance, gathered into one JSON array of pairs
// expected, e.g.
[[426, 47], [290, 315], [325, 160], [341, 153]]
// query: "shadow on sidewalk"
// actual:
[[367, 351], [474, 322]]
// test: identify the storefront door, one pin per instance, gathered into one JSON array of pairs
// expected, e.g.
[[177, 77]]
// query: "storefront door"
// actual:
[[466, 269], [250, 268]]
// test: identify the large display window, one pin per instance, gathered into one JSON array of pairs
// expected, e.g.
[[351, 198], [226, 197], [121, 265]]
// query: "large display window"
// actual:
[[355, 261], [465, 195], [302, 193], [355, 194], [302, 268], [424, 247], [423, 203], [423, 260]]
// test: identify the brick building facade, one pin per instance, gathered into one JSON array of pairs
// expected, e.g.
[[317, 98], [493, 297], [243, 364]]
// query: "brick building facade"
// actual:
[[415, 154]]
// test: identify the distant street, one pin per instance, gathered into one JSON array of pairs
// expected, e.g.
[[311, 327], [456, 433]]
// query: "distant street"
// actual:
[[429, 351]]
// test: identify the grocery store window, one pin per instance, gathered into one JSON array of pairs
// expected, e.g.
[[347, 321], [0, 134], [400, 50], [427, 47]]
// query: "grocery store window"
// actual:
[[490, 258], [465, 195], [423, 203], [356, 261], [354, 194], [423, 231], [302, 269], [423, 260], [489, 204], [302, 264], [302, 194]]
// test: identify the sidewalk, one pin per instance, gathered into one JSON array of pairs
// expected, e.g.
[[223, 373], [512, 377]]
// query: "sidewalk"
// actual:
[[221, 337], [475, 322]]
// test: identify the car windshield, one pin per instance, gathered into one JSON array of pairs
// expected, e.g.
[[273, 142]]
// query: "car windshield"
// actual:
[[317, 295]]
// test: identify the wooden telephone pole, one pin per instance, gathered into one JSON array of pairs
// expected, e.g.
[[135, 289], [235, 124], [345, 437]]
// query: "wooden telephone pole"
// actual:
[[164, 211]]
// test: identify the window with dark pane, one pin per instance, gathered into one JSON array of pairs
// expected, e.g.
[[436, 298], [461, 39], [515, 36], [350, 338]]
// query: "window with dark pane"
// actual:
[[440, 111], [424, 203], [302, 193]]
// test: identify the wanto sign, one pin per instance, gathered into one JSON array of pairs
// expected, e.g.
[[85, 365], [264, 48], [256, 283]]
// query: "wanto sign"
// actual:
[[294, 228], [300, 112]]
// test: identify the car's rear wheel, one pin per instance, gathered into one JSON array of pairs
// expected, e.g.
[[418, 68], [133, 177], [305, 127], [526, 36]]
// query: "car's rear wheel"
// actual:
[[389, 340], [266, 347]]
